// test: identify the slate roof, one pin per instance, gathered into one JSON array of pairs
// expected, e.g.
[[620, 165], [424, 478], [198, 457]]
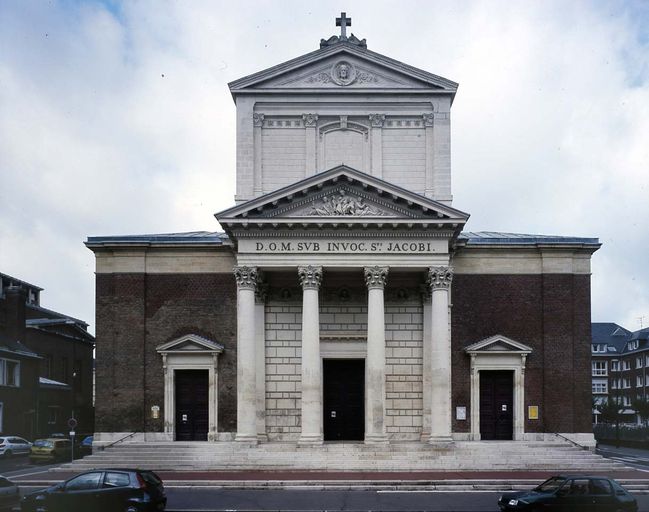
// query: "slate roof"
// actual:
[[16, 347], [191, 237], [612, 334], [472, 238], [617, 337], [500, 238]]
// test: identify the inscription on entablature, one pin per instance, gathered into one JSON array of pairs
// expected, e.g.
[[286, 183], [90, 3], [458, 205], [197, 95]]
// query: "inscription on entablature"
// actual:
[[333, 246]]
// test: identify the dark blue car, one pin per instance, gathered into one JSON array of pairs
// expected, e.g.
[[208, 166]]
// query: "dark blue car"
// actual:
[[105, 490], [572, 494]]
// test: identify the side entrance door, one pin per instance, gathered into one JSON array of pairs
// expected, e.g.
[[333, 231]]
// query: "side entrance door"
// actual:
[[192, 405], [496, 405], [344, 397]]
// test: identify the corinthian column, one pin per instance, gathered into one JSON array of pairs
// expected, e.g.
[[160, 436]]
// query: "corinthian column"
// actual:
[[440, 429], [310, 278], [375, 278], [246, 362]]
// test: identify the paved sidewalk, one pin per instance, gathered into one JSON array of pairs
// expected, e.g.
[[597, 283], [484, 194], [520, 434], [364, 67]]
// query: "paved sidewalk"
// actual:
[[278, 479]]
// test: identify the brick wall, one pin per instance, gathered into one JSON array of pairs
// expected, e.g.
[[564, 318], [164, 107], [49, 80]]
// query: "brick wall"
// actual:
[[135, 314], [551, 314]]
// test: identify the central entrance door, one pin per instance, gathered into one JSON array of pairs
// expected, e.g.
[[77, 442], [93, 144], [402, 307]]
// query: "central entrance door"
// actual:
[[344, 399], [192, 405], [496, 405]]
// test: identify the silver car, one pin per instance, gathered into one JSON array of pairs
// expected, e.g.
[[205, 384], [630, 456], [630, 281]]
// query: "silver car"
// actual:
[[12, 445]]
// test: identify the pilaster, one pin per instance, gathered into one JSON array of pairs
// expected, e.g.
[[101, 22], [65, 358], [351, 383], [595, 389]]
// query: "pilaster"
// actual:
[[429, 121], [310, 125], [376, 141]]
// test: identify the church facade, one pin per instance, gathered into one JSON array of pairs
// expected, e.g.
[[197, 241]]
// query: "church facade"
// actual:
[[343, 301]]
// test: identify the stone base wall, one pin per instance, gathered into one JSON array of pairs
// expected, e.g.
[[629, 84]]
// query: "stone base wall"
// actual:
[[404, 371], [404, 364]]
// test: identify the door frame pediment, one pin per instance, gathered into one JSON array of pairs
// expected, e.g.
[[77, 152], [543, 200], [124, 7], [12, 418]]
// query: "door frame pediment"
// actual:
[[498, 352], [190, 352]]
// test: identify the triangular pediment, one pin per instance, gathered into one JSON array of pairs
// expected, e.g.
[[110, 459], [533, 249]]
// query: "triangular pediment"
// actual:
[[498, 344], [190, 343], [342, 66], [343, 196]]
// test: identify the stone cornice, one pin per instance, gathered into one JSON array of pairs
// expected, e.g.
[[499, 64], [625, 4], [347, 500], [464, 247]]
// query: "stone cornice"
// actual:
[[320, 233]]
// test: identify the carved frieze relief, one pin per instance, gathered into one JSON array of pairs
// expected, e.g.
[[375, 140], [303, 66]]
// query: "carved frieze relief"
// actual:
[[342, 204]]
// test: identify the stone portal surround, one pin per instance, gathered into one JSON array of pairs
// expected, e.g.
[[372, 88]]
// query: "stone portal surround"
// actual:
[[308, 389]]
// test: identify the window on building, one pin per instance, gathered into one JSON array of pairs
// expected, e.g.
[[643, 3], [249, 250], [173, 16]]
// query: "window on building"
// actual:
[[76, 374], [615, 365], [52, 415], [599, 368], [47, 366], [626, 383], [633, 345], [600, 387], [9, 373], [626, 401], [646, 380], [65, 376], [638, 361], [639, 381], [626, 365], [646, 360], [1, 417], [599, 348]]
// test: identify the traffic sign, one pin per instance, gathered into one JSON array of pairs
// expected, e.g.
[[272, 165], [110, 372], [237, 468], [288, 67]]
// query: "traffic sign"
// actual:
[[72, 423]]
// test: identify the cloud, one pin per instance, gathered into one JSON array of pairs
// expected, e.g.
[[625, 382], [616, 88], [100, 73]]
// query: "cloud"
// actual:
[[115, 118]]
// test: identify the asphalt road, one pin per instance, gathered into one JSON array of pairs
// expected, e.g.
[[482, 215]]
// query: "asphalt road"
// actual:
[[197, 499]]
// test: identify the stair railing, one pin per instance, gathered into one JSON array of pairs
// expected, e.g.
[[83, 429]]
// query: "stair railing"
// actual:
[[575, 443], [118, 441]]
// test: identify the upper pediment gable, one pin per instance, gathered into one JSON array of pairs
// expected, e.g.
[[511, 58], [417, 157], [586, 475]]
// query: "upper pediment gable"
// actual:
[[343, 195], [190, 343], [498, 344], [342, 66]]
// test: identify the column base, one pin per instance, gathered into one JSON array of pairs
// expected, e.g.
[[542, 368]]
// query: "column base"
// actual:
[[376, 439], [310, 440], [440, 440], [246, 438]]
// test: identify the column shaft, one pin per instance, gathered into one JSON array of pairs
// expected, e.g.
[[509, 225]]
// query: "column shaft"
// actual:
[[310, 278], [440, 428], [375, 278], [246, 360]]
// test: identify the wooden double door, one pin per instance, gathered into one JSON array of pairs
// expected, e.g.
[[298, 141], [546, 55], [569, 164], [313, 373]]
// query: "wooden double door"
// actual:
[[192, 405], [344, 399], [496, 405]]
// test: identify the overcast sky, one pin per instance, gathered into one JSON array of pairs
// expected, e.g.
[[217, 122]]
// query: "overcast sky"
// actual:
[[115, 118]]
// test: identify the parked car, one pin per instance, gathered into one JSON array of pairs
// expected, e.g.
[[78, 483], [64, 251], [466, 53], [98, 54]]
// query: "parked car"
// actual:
[[9, 494], [572, 493], [50, 450], [12, 445], [107, 490], [85, 446]]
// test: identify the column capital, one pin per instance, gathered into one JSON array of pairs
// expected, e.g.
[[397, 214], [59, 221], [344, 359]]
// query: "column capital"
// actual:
[[310, 277], [258, 119], [246, 277], [429, 118], [310, 120], [377, 120], [440, 277], [376, 277]]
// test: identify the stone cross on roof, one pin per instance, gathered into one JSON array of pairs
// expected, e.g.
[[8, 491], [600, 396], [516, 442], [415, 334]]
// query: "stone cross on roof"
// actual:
[[343, 22]]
